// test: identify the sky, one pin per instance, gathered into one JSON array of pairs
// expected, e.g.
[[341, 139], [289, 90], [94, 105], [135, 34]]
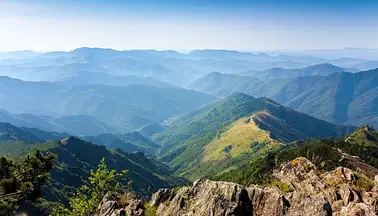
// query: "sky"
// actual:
[[48, 25]]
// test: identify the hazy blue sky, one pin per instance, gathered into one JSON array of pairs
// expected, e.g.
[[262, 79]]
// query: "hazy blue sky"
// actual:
[[44, 25]]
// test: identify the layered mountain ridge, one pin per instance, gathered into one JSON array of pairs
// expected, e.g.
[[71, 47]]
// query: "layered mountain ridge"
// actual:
[[340, 98], [119, 108], [282, 73]]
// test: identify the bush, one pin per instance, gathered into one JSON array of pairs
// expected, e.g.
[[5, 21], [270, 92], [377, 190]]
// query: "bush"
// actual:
[[227, 149], [87, 197], [363, 183]]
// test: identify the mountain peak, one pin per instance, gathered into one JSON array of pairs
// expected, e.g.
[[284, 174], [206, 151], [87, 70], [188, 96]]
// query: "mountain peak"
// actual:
[[324, 65], [364, 135], [86, 50], [70, 139], [238, 95], [367, 128]]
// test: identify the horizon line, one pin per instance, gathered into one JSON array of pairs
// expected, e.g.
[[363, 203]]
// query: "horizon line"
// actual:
[[186, 51]]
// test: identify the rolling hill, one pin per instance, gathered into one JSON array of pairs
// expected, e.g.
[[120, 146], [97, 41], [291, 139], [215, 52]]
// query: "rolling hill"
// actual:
[[129, 142], [222, 84], [150, 129], [124, 108], [226, 134], [9, 132], [366, 65], [79, 125], [98, 78], [340, 98]]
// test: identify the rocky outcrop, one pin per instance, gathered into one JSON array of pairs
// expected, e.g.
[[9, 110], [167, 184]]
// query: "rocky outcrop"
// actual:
[[341, 192], [109, 206], [207, 198]]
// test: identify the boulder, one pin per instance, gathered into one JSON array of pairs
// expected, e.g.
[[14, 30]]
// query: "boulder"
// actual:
[[208, 198], [135, 208], [109, 206]]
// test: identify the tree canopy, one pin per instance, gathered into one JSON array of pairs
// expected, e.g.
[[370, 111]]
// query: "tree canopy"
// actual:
[[21, 182]]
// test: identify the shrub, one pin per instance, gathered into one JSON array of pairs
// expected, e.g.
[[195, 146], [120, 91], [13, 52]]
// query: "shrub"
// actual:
[[88, 197], [363, 183], [227, 149]]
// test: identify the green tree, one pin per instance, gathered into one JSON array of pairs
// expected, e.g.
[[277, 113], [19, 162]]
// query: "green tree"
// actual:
[[87, 197], [22, 182]]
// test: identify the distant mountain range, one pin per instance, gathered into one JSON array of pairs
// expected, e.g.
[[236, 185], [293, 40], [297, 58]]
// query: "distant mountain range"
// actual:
[[77, 74], [347, 53], [281, 73], [229, 132], [102, 108], [167, 66], [341, 98]]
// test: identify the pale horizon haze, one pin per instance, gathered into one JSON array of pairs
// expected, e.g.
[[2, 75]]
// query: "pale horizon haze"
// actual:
[[40, 25]]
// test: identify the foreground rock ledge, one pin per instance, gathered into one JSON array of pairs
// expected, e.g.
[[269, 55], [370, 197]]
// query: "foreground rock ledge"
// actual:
[[332, 193]]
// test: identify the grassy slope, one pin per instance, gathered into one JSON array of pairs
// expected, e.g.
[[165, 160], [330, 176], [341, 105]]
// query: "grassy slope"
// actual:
[[242, 137], [322, 152], [209, 118], [221, 137]]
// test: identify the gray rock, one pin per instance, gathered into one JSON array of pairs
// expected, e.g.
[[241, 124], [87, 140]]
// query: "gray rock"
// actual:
[[268, 201], [161, 196], [209, 198], [332, 193], [109, 207], [135, 208]]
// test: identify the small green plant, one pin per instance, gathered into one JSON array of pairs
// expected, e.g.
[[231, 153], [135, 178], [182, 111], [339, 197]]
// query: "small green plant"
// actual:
[[363, 183], [227, 149], [282, 186], [87, 197], [177, 189], [149, 210]]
